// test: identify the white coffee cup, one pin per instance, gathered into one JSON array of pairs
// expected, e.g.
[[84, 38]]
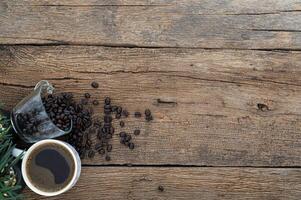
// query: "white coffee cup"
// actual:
[[77, 163]]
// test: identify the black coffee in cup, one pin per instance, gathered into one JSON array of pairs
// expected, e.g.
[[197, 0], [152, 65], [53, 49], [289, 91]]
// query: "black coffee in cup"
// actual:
[[50, 167]]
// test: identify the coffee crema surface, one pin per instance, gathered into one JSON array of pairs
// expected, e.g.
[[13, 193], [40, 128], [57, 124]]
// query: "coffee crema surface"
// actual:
[[50, 167]]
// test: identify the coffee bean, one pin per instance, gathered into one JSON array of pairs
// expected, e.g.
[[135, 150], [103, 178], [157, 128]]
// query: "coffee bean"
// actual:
[[107, 124], [108, 136], [84, 101], [119, 110], [137, 132], [108, 158], [19, 117], [82, 154], [109, 148], [125, 113], [122, 140], [128, 138], [95, 102], [87, 95], [107, 119], [97, 124], [114, 108], [118, 116], [149, 118], [107, 100], [32, 120], [137, 114], [147, 112], [88, 143], [112, 130], [107, 112], [131, 145], [107, 107], [122, 134], [94, 84], [98, 146], [121, 123], [160, 188], [91, 154], [101, 151], [34, 129]]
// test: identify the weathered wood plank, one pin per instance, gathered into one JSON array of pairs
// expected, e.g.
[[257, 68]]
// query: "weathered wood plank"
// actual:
[[184, 183], [161, 23], [214, 119]]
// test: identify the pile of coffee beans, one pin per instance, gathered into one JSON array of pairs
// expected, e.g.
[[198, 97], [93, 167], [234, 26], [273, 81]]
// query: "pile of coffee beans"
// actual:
[[27, 122], [59, 109], [63, 110]]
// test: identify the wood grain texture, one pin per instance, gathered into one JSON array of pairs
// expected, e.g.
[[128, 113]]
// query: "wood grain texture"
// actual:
[[243, 24], [183, 183], [204, 101]]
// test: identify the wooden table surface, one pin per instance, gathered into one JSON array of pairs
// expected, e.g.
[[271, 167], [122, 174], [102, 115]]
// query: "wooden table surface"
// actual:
[[222, 78]]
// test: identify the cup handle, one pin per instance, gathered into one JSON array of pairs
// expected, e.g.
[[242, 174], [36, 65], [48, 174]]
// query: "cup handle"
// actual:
[[46, 84], [17, 152]]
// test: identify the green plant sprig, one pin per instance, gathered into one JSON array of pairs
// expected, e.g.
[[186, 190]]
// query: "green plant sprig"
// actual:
[[7, 161]]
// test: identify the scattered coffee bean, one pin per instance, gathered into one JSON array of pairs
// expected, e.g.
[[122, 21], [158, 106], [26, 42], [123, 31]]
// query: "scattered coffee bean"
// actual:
[[118, 116], [122, 134], [122, 140], [160, 188], [108, 158], [109, 148], [87, 95], [107, 119], [128, 138], [91, 154], [107, 112], [125, 113], [137, 132], [138, 114], [107, 127], [263, 107], [98, 146], [147, 112], [112, 130], [97, 124], [121, 124], [82, 154], [101, 151], [94, 84], [119, 110], [114, 108], [131, 145], [95, 102], [107, 100], [149, 118], [84, 101], [107, 107]]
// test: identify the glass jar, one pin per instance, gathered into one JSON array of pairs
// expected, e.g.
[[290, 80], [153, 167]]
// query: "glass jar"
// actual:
[[30, 119]]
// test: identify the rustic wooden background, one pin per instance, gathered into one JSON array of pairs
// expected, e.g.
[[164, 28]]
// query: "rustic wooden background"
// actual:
[[222, 78]]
